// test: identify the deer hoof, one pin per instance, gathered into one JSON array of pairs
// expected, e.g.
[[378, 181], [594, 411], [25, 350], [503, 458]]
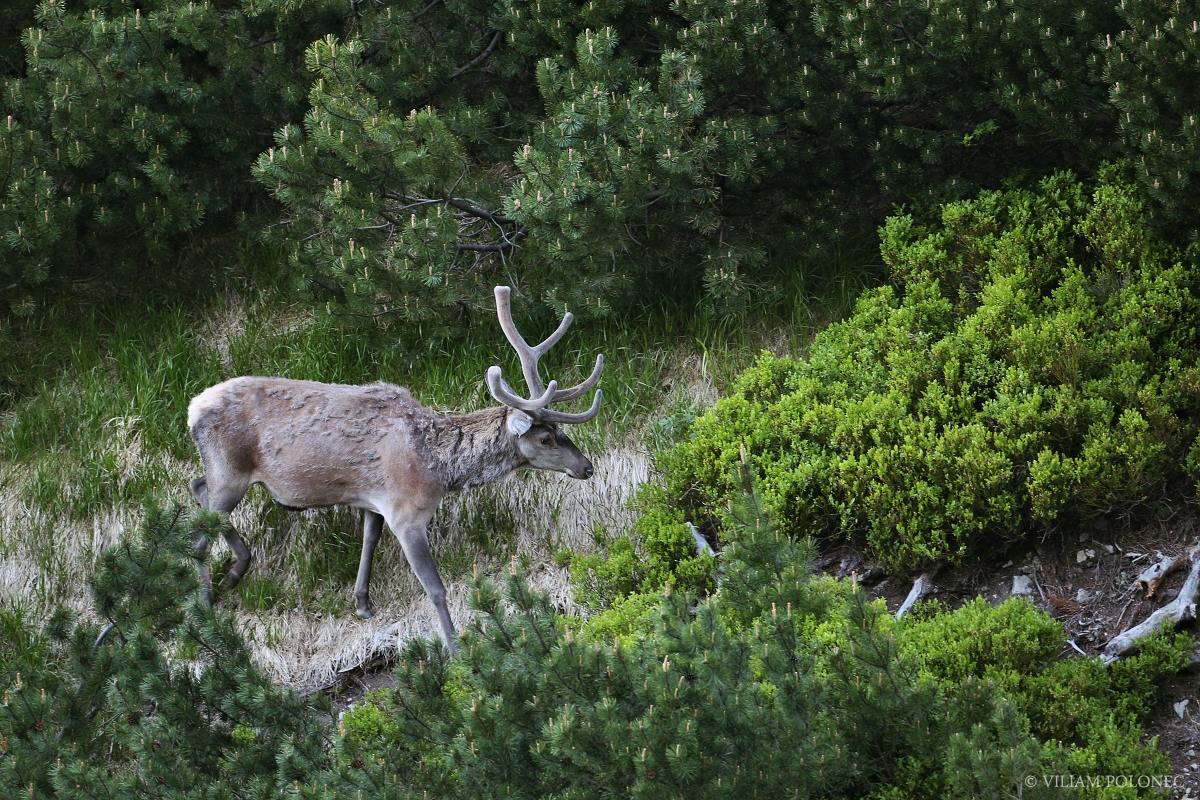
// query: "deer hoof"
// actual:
[[365, 611]]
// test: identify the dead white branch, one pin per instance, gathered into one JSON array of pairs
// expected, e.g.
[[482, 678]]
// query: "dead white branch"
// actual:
[[922, 586], [702, 545], [1153, 576], [1180, 610]]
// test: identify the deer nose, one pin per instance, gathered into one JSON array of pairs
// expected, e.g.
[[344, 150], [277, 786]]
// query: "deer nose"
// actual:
[[589, 470]]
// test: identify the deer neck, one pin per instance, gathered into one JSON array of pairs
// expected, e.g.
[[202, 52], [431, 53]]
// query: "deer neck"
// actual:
[[475, 448]]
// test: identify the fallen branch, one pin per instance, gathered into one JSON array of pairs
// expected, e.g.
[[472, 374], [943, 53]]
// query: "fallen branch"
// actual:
[[922, 586], [1153, 576], [1180, 610], [702, 545]]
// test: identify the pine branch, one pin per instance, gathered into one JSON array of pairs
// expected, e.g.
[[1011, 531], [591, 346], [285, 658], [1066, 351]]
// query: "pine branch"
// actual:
[[479, 59]]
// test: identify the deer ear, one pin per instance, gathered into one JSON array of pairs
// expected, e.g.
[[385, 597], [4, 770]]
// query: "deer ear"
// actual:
[[519, 422]]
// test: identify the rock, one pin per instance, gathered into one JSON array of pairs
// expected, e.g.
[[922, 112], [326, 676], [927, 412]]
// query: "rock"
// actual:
[[1022, 585], [1084, 556], [1181, 708], [1085, 596], [848, 564], [1108, 548]]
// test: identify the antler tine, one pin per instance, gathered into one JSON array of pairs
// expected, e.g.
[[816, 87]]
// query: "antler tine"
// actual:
[[528, 355], [581, 388], [549, 415], [553, 338], [505, 395], [542, 396]]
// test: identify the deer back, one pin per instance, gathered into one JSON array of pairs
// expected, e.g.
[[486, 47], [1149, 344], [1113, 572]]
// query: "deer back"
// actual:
[[315, 444]]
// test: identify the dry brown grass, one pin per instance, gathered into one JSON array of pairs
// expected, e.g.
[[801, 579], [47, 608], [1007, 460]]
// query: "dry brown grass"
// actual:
[[46, 556]]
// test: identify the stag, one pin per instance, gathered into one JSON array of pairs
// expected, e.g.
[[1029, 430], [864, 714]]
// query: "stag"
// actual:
[[376, 448]]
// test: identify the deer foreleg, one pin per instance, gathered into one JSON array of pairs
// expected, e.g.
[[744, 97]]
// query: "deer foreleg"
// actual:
[[415, 544], [372, 527]]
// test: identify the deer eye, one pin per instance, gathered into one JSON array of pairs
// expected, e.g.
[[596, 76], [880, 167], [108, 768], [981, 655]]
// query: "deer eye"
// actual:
[[547, 440]]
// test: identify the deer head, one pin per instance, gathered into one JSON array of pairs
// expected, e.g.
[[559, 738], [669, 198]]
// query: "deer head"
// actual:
[[531, 421]]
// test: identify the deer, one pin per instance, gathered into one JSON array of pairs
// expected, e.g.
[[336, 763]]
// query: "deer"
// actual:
[[374, 447]]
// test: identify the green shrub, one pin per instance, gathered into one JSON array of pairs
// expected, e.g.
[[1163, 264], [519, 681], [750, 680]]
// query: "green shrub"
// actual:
[[1034, 358], [977, 640], [664, 556], [627, 619], [1117, 750], [1079, 694], [367, 725], [1091, 709]]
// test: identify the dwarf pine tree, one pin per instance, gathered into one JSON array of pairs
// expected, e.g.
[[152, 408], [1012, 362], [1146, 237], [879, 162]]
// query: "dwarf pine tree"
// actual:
[[594, 154], [124, 128], [162, 702], [602, 151], [14, 18], [961, 96], [1150, 67], [778, 683]]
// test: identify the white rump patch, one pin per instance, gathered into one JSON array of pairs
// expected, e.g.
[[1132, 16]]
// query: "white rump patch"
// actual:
[[203, 402]]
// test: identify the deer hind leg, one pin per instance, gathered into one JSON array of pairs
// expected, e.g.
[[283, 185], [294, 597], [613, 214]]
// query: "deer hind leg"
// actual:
[[242, 557], [372, 527], [222, 494], [199, 487], [410, 533]]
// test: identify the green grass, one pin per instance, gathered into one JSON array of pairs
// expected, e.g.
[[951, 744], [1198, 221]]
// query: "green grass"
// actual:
[[94, 392], [260, 592], [119, 384], [490, 532]]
